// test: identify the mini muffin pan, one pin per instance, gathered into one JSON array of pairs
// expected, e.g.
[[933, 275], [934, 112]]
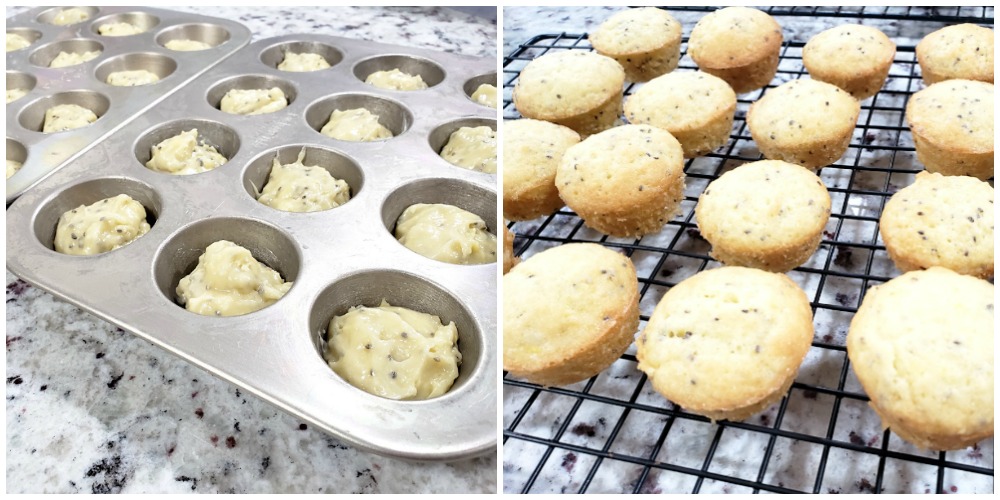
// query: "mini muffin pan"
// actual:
[[84, 84], [338, 258]]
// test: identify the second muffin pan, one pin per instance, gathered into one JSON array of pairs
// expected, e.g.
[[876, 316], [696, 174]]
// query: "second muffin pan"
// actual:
[[338, 258], [84, 84]]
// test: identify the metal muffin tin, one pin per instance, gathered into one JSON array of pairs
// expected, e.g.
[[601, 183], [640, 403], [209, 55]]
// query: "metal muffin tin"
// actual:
[[84, 84], [337, 258]]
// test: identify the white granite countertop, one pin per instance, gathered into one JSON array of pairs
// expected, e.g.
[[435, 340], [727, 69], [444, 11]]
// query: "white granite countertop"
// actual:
[[91, 408], [588, 423]]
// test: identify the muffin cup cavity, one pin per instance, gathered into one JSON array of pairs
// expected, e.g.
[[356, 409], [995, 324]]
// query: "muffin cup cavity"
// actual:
[[440, 135], [223, 138], [472, 84], [431, 72], [89, 192], [32, 117], [339, 165], [273, 55], [158, 64], [16, 151], [44, 55], [464, 195], [178, 256], [141, 20], [391, 114], [19, 80], [49, 15], [210, 34], [369, 288], [28, 34], [250, 82]]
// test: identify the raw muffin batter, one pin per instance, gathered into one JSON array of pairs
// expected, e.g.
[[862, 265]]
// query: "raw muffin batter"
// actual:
[[447, 234], [303, 62], [12, 167], [395, 80], [186, 45], [253, 101], [63, 117], [355, 125], [104, 226], [119, 29], [474, 148], [184, 154], [132, 78], [296, 187], [394, 352], [65, 59], [70, 16], [16, 42], [486, 95], [229, 282], [15, 94]]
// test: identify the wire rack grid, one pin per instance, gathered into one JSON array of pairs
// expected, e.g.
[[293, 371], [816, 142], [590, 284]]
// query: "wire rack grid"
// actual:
[[613, 433], [952, 14]]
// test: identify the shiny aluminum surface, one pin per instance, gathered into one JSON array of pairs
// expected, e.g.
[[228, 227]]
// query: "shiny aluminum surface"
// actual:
[[84, 84], [337, 258]]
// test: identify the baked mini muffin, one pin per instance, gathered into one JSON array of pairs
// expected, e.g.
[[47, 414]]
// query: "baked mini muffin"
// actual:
[[942, 221], [805, 122], [922, 348], [727, 343], [509, 260], [568, 313], [853, 57], [695, 107], [645, 41], [581, 90], [767, 214], [532, 150], [739, 45], [625, 182], [962, 51], [952, 126]]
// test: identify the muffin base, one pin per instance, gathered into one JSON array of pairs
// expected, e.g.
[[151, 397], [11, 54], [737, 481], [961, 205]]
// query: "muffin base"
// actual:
[[593, 359], [644, 66], [632, 223], [860, 86], [813, 156], [703, 140], [750, 77], [950, 162], [777, 260]]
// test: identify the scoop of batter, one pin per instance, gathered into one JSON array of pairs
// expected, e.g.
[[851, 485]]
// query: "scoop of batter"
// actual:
[[15, 94], [13, 167], [355, 125], [253, 101], [229, 281], [69, 16], [474, 148], [132, 78], [16, 42], [186, 45], [296, 187], [104, 226], [446, 233], [119, 29], [63, 117], [486, 95], [303, 62], [184, 154], [64, 59], [394, 352], [395, 80]]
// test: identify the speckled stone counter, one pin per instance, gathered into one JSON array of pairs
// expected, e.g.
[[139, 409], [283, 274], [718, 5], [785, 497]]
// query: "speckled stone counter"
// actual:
[[91, 408]]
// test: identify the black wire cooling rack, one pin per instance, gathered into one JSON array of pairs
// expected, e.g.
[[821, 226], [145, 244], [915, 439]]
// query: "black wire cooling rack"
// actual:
[[613, 433], [952, 15]]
